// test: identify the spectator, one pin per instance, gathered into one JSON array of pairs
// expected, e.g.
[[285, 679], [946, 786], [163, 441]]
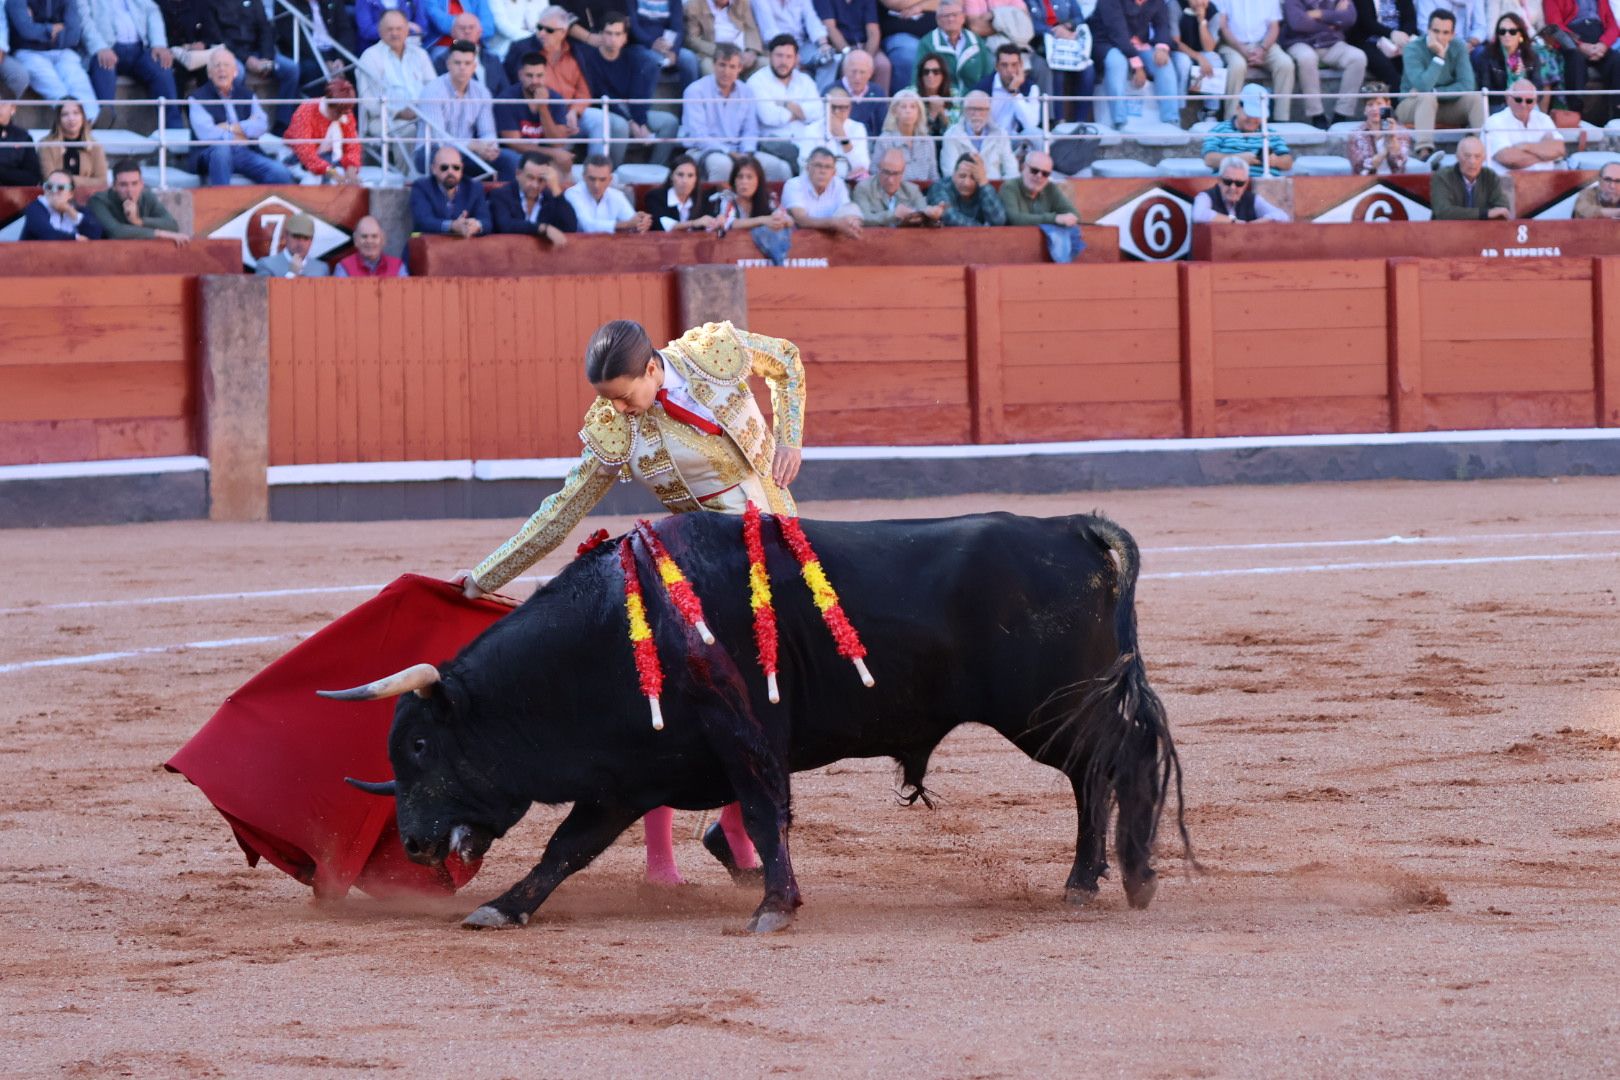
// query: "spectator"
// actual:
[[940, 104], [1133, 42], [465, 27], [887, 199], [628, 79], [1508, 57], [1240, 137], [789, 105], [563, 76], [13, 76], [1522, 138], [368, 16], [846, 138], [19, 162], [45, 37], [800, 21], [54, 216], [398, 69], [1591, 23], [720, 119], [540, 115], [1473, 20], [1438, 80], [442, 22], [966, 56], [748, 204], [1381, 145], [330, 29], [678, 205], [534, 205], [515, 20], [455, 110], [185, 27], [1015, 99], [724, 22], [245, 30], [127, 211], [601, 207], [1468, 191], [658, 33], [1381, 32], [294, 259], [324, 136], [1233, 200], [1602, 199], [817, 199], [87, 164], [369, 259], [1249, 39], [966, 197], [587, 18], [903, 24], [227, 120], [1065, 20], [446, 202], [905, 130], [977, 134], [853, 24], [1314, 37], [127, 37], [868, 105], [1032, 199], [1196, 39]]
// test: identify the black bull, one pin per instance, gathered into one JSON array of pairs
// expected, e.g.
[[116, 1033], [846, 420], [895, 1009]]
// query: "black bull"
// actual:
[[1026, 625]]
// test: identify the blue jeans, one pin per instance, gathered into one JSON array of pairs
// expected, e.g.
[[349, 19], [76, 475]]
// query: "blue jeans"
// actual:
[[136, 60], [286, 86], [772, 243], [901, 49], [1063, 242], [686, 71], [1116, 68], [58, 74], [217, 164]]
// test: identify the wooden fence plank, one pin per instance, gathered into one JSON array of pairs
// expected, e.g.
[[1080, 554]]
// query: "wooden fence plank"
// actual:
[[1198, 348], [1606, 373], [1405, 376]]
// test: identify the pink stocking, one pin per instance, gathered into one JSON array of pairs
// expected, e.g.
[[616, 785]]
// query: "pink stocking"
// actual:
[[742, 848], [656, 828]]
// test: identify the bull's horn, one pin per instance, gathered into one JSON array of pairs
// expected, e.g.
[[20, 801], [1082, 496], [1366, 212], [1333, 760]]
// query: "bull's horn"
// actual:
[[417, 677], [372, 787]]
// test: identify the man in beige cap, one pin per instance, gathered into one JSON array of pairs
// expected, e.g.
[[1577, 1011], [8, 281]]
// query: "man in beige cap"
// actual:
[[294, 260]]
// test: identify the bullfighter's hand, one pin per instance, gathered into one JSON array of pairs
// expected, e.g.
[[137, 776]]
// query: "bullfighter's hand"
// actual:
[[469, 587], [786, 466]]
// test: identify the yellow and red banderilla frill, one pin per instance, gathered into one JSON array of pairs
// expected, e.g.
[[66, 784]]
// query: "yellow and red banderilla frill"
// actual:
[[759, 600], [825, 596], [641, 636]]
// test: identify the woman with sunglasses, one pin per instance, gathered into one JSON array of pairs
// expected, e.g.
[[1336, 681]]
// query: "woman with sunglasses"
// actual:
[[55, 216], [934, 87], [1507, 57]]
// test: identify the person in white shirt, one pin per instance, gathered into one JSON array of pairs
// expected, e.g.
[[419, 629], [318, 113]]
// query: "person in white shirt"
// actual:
[[1522, 138], [599, 206], [798, 19], [1015, 102], [977, 133], [789, 104], [395, 68], [846, 139], [817, 199], [514, 21], [1249, 39]]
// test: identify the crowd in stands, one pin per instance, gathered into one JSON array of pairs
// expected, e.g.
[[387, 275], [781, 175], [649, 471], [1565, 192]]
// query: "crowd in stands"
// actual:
[[866, 113]]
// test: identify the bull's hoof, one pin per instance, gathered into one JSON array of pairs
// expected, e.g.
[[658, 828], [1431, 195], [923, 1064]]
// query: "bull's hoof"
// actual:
[[714, 839], [1139, 891], [488, 918], [769, 921], [1078, 897]]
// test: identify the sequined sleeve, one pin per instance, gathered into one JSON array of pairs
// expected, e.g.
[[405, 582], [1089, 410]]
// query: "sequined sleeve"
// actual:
[[777, 362], [587, 482]]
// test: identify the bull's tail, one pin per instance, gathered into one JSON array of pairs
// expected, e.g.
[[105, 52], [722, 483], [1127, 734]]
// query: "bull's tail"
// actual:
[[1119, 735]]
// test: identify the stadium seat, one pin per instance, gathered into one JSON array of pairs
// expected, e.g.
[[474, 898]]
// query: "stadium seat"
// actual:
[[120, 143], [1320, 165], [1148, 132], [1299, 136], [1184, 166], [1593, 159], [1107, 136], [631, 173], [176, 178], [1122, 168]]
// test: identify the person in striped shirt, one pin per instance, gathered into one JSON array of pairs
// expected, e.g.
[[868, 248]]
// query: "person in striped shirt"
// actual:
[[1241, 137]]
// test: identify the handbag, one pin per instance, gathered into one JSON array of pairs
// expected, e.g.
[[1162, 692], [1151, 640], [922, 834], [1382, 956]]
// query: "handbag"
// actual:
[[1072, 156], [1069, 54]]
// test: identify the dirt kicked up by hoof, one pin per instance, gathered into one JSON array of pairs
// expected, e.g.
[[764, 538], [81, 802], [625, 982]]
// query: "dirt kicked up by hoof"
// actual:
[[1079, 898], [487, 918], [768, 922]]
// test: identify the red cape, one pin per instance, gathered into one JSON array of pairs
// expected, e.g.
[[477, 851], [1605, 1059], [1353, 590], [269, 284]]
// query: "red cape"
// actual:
[[273, 758]]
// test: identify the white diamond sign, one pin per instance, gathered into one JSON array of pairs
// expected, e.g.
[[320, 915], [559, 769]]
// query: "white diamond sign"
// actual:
[[1155, 226], [260, 227], [1377, 203]]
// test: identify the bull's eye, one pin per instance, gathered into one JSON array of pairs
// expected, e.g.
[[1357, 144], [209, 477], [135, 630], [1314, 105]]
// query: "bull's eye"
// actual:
[[419, 747]]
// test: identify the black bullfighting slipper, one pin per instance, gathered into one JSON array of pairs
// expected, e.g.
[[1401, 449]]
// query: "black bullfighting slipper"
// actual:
[[714, 838]]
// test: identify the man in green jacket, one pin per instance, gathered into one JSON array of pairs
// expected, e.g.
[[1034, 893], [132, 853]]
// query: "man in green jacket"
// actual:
[[127, 211], [1468, 191], [1032, 199], [1438, 81], [968, 60]]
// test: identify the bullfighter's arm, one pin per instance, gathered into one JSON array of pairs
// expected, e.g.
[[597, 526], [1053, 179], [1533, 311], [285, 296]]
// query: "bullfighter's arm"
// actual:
[[587, 482], [776, 360]]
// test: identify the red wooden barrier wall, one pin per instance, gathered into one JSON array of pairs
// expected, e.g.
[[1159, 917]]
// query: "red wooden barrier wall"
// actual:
[[95, 371]]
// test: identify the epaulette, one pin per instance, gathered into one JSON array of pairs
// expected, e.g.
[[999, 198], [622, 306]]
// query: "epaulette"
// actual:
[[607, 433], [715, 350]]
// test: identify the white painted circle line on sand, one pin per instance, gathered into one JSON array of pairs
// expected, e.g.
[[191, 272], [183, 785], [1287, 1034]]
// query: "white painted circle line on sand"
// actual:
[[105, 657]]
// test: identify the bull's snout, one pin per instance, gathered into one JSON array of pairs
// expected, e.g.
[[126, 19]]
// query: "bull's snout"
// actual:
[[424, 852]]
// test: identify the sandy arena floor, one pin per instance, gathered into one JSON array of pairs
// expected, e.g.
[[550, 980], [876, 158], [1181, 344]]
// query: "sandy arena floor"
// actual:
[[1403, 771]]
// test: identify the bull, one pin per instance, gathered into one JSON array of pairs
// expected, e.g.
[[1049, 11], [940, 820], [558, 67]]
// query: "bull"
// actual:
[[1026, 625]]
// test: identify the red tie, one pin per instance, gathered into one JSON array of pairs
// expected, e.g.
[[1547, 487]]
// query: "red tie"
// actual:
[[687, 416], [1051, 15]]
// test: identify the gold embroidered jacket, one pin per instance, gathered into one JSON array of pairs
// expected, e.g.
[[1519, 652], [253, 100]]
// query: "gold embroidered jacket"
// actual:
[[716, 360]]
